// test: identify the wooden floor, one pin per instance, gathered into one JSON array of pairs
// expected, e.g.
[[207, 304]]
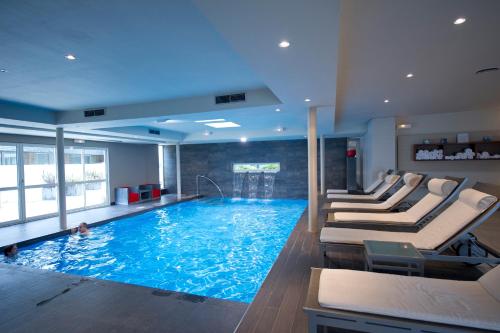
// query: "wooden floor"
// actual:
[[277, 308]]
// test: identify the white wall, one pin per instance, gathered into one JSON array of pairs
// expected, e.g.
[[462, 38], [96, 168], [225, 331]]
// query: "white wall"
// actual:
[[379, 148], [446, 125], [129, 164]]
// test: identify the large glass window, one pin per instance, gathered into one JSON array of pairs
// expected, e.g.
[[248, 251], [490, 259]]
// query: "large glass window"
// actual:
[[28, 180], [40, 180], [9, 193]]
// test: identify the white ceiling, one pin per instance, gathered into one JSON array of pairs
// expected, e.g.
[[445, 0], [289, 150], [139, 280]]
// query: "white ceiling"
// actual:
[[155, 59], [383, 40]]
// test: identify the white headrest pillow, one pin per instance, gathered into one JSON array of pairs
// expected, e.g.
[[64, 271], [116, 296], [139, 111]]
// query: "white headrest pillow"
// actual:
[[489, 281], [442, 187], [381, 175], [477, 200], [391, 178], [411, 179]]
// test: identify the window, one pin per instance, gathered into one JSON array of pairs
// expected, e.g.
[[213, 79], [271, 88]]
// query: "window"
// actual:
[[28, 180], [9, 192], [256, 167]]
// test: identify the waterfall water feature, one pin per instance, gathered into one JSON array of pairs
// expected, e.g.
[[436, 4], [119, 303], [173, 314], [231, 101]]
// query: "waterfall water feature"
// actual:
[[253, 183], [269, 185], [238, 184]]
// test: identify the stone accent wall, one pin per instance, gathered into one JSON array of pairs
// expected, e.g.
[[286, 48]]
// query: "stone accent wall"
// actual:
[[215, 160]]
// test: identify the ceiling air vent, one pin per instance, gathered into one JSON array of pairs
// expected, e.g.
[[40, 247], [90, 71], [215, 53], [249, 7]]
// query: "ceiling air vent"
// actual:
[[154, 131], [224, 99], [487, 70], [93, 113]]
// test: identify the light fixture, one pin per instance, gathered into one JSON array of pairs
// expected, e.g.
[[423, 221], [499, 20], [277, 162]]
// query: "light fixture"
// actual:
[[460, 20], [70, 56], [225, 124], [386, 101], [404, 126], [79, 141], [3, 70], [409, 75], [243, 139], [280, 129], [277, 110], [207, 133], [284, 44], [209, 120], [307, 100]]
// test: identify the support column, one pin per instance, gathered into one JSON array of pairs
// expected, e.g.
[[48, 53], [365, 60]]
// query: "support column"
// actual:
[[322, 164], [61, 179], [312, 152], [178, 169]]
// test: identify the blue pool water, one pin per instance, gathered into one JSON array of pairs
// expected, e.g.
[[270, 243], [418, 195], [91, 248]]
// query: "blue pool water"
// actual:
[[215, 248]]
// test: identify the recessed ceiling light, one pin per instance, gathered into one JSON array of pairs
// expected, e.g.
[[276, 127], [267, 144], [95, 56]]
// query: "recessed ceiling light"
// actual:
[[284, 44], [207, 133], [460, 20], [70, 57], [277, 110], [307, 100], [225, 124], [3, 70], [404, 126], [409, 75], [386, 101], [209, 120], [79, 141], [280, 129], [171, 121], [243, 139]]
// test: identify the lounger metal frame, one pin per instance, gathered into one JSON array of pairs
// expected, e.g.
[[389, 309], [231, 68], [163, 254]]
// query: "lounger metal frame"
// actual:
[[374, 225], [436, 253], [360, 210], [364, 322]]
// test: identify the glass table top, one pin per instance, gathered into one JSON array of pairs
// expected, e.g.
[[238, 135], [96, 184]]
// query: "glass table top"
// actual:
[[392, 249]]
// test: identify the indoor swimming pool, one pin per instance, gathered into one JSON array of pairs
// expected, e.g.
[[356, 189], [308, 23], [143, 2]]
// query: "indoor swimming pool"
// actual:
[[222, 248]]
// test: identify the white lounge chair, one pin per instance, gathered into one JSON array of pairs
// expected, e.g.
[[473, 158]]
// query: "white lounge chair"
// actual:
[[377, 302], [369, 190], [411, 182], [441, 191], [389, 182], [470, 210]]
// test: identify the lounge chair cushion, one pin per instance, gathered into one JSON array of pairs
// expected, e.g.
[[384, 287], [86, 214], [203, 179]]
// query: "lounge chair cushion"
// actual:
[[441, 187], [430, 201], [476, 200], [462, 303], [451, 221], [388, 183], [389, 203], [491, 282], [411, 179]]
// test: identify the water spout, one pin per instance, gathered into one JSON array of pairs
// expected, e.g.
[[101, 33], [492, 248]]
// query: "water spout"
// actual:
[[269, 185], [238, 184], [253, 183]]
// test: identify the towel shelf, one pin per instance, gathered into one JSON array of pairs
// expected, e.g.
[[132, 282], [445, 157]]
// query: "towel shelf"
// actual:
[[472, 151]]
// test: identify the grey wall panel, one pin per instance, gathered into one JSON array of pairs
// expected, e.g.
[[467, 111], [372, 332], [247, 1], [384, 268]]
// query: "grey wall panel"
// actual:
[[215, 160]]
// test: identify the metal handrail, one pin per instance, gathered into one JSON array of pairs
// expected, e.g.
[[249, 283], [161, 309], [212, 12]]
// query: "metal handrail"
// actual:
[[210, 180]]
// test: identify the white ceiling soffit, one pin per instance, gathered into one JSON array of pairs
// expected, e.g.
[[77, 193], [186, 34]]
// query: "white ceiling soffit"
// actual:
[[127, 52], [306, 69], [383, 40]]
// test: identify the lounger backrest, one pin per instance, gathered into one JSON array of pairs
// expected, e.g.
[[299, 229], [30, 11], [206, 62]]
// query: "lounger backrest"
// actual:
[[439, 190], [469, 206], [376, 183], [491, 282], [389, 181], [411, 181]]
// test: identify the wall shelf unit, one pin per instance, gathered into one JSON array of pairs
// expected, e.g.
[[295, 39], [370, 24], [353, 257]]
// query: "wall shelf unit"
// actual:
[[471, 151]]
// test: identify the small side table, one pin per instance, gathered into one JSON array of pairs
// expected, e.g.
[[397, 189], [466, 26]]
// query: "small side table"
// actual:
[[395, 256]]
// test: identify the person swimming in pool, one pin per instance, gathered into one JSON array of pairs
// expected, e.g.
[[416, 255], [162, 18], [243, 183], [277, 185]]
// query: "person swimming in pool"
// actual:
[[82, 229], [10, 251]]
